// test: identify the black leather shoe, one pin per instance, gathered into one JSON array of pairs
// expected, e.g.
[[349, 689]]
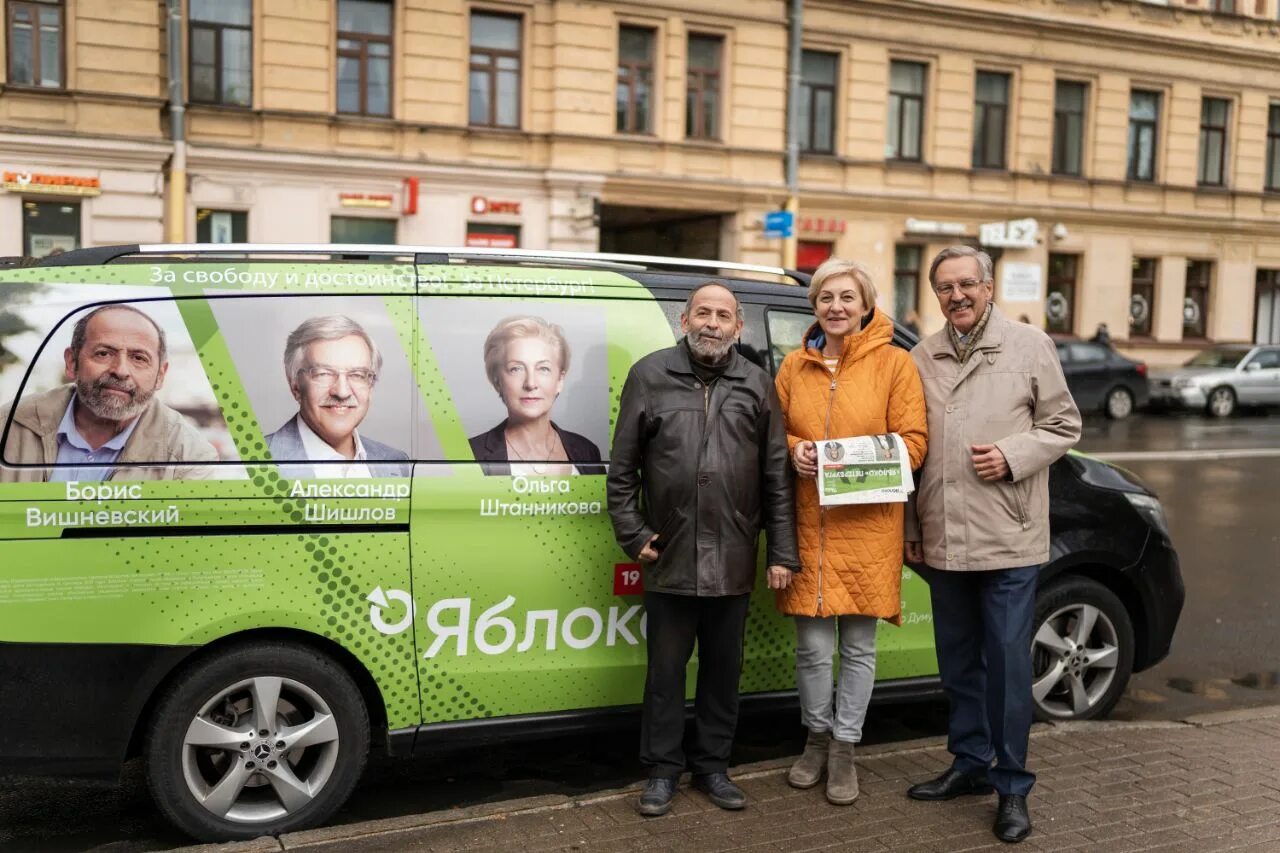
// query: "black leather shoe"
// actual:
[[720, 790], [1013, 821], [950, 785], [655, 799]]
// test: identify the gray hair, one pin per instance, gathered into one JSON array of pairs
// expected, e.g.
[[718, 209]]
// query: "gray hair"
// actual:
[[688, 303], [836, 267], [330, 327], [80, 333], [983, 259]]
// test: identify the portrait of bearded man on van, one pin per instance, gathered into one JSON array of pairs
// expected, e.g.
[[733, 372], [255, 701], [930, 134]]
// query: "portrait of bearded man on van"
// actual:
[[332, 366], [106, 423]]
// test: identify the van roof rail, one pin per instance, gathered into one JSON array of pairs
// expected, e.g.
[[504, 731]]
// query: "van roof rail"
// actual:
[[422, 254]]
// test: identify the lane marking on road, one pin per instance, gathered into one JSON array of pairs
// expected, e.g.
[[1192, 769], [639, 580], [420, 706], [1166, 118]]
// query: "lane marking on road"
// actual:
[[1187, 455]]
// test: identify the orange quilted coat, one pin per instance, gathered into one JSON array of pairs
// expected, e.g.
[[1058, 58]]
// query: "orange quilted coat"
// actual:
[[851, 556]]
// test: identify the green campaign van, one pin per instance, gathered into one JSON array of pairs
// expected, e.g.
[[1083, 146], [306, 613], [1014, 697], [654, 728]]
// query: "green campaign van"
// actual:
[[265, 508]]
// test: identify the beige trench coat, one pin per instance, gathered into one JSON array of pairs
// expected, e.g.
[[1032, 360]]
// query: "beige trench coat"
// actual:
[[1011, 393]]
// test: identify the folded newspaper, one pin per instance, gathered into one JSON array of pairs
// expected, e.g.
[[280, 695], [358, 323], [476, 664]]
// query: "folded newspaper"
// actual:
[[865, 469]]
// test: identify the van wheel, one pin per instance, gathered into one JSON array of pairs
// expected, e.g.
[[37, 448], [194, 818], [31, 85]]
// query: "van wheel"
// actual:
[[256, 740], [1222, 402], [1081, 652], [1119, 403]]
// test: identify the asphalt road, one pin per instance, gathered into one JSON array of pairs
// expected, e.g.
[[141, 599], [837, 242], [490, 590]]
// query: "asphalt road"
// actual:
[[1223, 521]]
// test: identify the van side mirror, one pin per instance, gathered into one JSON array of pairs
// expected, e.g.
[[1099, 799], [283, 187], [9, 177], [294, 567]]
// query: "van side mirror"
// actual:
[[1253, 365]]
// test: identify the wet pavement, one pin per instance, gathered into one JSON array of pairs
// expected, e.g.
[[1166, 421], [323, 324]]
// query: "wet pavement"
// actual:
[[1223, 518]]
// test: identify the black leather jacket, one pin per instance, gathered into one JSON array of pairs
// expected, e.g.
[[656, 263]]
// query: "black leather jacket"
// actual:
[[704, 470]]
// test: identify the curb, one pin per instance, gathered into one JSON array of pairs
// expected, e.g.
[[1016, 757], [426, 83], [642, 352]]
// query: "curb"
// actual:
[[755, 770]]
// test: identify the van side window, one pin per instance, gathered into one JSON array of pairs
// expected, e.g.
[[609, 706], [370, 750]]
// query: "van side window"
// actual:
[[114, 385], [786, 328]]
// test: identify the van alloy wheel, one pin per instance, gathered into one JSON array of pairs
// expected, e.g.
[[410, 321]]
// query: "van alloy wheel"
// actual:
[[1082, 650], [259, 750], [256, 739]]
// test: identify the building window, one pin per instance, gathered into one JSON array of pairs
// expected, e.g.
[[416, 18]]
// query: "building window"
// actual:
[[811, 253], [635, 80], [990, 120], [50, 227], [1273, 147], [221, 52], [1144, 127], [818, 101], [1267, 308], [1214, 113], [364, 57], [495, 70], [1060, 302], [1223, 7], [222, 226], [906, 283], [361, 229], [1142, 297], [486, 235], [702, 104], [1195, 301], [1068, 127], [35, 43], [906, 110]]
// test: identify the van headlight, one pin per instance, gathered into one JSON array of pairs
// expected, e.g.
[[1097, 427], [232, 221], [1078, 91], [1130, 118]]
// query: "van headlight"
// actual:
[[1149, 508], [1182, 382]]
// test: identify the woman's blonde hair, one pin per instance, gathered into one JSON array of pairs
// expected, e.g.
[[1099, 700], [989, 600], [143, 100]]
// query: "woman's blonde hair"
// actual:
[[495, 345], [835, 267]]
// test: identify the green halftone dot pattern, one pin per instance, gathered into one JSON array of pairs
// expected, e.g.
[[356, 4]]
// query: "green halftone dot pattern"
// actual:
[[192, 279]]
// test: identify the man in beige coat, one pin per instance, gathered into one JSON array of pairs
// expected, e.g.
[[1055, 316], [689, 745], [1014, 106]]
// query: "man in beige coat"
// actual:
[[107, 420], [978, 528]]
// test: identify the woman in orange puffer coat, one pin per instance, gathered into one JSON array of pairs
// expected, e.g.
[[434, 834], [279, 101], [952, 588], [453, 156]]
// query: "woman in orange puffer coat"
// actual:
[[847, 379]]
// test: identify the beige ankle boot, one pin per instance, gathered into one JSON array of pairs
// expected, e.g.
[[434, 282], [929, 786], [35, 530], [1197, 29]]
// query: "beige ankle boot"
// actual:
[[842, 776], [807, 771]]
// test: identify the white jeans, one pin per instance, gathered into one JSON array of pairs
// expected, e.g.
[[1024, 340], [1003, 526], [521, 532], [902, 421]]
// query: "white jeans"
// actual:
[[815, 647]]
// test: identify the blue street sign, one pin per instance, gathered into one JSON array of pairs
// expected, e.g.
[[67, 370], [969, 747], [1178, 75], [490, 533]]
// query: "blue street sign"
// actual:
[[778, 223]]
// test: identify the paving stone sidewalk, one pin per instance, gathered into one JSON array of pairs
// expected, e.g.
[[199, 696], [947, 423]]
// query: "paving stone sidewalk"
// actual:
[[1207, 784]]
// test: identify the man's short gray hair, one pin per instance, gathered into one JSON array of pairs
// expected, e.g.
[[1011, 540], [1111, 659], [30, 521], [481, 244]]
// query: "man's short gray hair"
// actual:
[[330, 327], [80, 332], [688, 303], [985, 268]]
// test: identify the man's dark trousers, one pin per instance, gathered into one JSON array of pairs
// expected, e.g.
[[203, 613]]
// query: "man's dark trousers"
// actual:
[[674, 623], [982, 623]]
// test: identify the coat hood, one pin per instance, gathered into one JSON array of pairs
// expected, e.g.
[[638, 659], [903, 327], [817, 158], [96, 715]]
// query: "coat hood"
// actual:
[[876, 332]]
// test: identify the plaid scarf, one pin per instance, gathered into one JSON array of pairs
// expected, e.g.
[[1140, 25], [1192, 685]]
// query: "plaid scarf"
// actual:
[[965, 348]]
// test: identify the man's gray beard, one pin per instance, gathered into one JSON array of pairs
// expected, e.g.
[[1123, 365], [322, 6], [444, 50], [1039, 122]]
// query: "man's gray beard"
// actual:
[[710, 349], [93, 397]]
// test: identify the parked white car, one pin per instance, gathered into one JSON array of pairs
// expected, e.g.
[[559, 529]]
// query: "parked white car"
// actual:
[[1221, 379]]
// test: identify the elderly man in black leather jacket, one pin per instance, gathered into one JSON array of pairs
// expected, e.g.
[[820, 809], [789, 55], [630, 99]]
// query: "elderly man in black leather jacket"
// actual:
[[699, 464]]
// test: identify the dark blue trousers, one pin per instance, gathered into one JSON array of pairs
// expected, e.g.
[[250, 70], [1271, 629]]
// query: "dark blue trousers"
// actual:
[[982, 622]]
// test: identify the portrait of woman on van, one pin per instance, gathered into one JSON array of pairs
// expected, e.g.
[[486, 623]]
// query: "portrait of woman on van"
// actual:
[[526, 360]]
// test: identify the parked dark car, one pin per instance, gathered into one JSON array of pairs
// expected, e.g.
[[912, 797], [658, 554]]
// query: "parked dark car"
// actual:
[[1103, 380]]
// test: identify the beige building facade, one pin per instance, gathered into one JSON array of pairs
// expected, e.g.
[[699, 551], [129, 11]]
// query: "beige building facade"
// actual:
[[1123, 156]]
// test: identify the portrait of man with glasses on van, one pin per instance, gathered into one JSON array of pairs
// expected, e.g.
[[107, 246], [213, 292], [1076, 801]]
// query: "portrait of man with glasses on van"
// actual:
[[332, 367]]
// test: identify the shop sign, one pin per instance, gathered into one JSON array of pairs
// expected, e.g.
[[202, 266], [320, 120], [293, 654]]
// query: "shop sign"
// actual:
[[480, 240], [481, 205], [34, 182], [410, 197], [931, 226], [822, 225], [366, 199], [1019, 282], [1015, 234]]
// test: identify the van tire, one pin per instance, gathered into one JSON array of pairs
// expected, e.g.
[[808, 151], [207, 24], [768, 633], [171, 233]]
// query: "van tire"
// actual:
[[216, 700], [1059, 664]]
